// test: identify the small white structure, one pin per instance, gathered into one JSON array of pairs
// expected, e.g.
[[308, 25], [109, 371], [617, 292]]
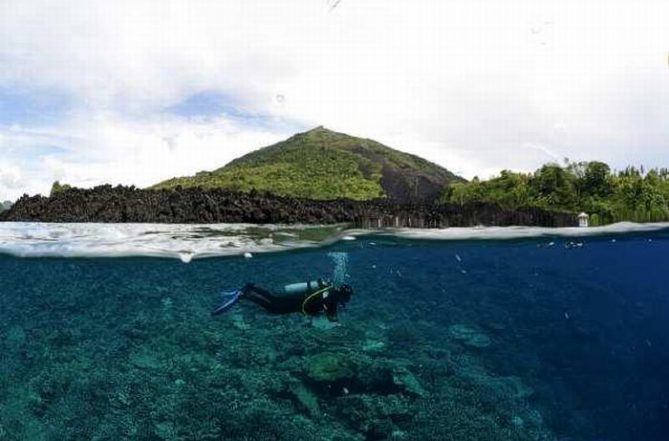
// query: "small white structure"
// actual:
[[583, 220]]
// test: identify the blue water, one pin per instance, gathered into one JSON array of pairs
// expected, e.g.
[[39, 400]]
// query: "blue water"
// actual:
[[464, 340]]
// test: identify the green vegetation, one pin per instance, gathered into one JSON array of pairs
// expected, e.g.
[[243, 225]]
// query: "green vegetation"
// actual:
[[632, 194], [6, 205], [308, 174], [318, 164], [57, 187]]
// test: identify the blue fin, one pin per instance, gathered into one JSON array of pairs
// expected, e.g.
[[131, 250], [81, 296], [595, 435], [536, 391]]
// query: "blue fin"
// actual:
[[229, 299]]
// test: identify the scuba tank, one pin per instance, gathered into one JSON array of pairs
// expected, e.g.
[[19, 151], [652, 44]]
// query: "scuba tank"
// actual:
[[303, 287]]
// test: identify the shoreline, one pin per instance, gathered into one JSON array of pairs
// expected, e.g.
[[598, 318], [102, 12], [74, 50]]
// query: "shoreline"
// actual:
[[107, 204]]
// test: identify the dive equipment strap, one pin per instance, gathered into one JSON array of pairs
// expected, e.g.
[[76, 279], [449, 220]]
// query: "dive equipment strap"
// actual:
[[312, 295]]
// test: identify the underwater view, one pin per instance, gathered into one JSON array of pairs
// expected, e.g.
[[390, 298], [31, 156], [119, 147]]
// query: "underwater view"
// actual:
[[463, 334]]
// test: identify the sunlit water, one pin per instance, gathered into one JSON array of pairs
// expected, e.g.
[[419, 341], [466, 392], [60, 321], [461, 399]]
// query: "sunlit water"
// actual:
[[527, 334]]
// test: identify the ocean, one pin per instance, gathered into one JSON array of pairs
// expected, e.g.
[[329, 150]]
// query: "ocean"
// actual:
[[460, 334]]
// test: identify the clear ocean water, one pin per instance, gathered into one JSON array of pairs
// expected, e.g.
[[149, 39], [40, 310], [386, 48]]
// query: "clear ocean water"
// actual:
[[534, 336]]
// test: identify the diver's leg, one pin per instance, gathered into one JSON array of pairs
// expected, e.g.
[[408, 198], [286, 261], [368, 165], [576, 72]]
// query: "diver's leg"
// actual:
[[272, 303], [260, 296]]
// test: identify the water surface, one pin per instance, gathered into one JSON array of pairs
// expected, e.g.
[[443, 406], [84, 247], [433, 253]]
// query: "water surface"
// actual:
[[542, 337]]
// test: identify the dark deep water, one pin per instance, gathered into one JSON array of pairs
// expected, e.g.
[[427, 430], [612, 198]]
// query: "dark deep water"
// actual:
[[486, 340]]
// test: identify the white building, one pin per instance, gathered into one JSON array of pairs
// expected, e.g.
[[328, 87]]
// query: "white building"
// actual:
[[583, 219]]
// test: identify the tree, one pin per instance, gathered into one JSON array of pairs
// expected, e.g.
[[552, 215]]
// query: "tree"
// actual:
[[629, 195], [554, 187], [57, 187], [596, 179]]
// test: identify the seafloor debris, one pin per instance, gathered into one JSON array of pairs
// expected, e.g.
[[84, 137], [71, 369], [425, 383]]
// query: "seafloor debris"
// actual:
[[469, 336]]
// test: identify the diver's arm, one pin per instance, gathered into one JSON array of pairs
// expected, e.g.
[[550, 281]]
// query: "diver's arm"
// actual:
[[331, 311]]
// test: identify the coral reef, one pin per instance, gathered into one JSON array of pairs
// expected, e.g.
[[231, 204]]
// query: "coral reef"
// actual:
[[125, 349], [115, 350]]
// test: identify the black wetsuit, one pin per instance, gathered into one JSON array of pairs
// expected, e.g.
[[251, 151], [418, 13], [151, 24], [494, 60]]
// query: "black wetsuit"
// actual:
[[311, 302]]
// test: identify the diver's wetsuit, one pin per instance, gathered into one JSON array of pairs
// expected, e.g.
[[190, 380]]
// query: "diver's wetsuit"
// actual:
[[312, 302]]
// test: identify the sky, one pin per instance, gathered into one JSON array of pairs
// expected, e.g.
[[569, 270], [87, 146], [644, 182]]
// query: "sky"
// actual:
[[137, 91]]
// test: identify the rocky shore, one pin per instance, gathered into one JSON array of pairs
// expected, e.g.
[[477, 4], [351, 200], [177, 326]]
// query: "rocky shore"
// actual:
[[196, 205]]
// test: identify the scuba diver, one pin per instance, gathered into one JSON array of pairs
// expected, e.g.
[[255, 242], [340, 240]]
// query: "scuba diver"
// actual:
[[309, 298]]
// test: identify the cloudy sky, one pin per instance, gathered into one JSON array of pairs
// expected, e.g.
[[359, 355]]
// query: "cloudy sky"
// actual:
[[138, 91]]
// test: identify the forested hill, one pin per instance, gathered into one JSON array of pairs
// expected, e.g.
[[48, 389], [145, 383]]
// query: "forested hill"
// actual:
[[633, 194], [324, 165]]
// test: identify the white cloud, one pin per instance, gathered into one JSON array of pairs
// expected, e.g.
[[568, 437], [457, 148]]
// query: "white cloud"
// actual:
[[474, 85], [117, 151], [10, 177]]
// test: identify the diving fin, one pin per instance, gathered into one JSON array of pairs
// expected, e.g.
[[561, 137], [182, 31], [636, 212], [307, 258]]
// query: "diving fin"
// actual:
[[229, 299]]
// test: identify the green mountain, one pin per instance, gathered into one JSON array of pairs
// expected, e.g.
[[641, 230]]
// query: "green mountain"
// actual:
[[322, 164]]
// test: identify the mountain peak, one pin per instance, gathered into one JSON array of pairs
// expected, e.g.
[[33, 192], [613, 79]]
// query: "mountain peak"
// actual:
[[320, 130], [324, 164]]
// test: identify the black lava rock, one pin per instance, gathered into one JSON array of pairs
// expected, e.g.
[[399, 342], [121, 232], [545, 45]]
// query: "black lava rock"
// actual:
[[197, 205]]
